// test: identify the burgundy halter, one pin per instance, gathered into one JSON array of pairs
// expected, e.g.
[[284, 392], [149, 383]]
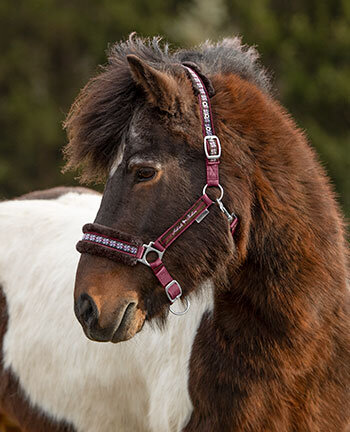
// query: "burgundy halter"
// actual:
[[100, 240]]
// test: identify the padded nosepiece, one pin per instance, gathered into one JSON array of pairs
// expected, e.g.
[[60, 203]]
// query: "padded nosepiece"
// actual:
[[109, 243]]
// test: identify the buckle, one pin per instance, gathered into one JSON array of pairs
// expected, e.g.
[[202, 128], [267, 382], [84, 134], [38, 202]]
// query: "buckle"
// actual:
[[168, 292], [147, 249], [217, 147]]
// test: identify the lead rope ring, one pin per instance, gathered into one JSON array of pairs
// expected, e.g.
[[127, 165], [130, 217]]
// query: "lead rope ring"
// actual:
[[179, 313]]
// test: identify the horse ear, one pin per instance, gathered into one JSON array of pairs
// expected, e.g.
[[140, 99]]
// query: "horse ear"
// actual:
[[161, 89]]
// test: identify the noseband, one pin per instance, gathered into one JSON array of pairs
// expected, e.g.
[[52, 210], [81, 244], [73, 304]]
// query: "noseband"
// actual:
[[107, 242]]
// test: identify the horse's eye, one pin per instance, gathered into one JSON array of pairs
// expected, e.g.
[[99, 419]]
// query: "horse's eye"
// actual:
[[145, 173]]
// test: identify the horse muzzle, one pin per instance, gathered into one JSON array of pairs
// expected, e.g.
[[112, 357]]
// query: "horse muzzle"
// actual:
[[121, 329], [107, 312]]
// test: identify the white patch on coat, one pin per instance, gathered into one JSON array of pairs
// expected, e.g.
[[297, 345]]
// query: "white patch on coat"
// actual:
[[136, 386], [134, 134], [118, 159]]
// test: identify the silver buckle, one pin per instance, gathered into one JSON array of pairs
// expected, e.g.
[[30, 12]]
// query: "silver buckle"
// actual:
[[170, 284], [209, 138], [147, 249]]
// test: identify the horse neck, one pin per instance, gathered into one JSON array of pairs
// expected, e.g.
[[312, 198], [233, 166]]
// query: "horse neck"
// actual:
[[294, 248]]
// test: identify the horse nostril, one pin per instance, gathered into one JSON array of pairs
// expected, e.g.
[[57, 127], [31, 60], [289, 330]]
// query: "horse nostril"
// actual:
[[86, 310]]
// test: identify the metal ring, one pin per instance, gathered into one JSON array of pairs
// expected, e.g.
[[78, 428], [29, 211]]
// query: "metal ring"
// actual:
[[218, 186], [181, 312], [147, 249]]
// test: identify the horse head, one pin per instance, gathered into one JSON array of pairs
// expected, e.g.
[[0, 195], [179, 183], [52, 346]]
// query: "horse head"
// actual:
[[139, 123]]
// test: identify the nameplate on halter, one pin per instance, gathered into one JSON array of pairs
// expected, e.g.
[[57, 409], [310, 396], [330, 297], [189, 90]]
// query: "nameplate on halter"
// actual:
[[202, 216]]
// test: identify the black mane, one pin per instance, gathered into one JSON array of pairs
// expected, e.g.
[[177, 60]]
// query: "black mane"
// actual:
[[227, 56]]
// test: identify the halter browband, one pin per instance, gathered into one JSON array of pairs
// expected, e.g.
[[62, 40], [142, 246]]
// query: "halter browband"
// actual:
[[107, 242]]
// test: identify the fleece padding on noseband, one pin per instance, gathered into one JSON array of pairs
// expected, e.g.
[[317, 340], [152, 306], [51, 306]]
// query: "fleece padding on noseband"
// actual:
[[109, 243]]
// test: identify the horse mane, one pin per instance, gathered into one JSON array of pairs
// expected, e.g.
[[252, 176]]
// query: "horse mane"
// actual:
[[102, 112]]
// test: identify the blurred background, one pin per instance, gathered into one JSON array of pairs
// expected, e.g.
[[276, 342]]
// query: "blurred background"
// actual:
[[50, 48]]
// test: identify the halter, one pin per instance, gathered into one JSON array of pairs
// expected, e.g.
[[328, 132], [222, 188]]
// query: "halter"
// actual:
[[107, 242]]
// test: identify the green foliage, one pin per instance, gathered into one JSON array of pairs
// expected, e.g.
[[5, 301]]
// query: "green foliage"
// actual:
[[50, 48]]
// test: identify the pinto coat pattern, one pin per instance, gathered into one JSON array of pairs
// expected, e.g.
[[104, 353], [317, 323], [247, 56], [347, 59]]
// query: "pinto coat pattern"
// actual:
[[270, 352]]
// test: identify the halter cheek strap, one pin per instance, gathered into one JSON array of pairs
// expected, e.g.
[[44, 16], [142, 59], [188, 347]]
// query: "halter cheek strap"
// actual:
[[212, 146], [112, 244]]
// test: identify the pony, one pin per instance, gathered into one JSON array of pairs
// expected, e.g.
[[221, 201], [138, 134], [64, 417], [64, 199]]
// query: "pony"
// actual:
[[265, 343]]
